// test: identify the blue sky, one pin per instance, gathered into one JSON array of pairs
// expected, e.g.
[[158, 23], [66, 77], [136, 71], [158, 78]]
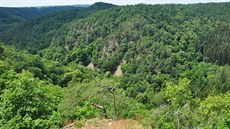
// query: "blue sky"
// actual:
[[27, 3]]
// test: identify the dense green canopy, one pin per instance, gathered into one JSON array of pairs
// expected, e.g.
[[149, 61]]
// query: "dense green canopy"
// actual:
[[173, 62]]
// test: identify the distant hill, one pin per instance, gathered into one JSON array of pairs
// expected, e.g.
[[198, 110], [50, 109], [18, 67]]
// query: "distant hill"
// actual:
[[36, 34], [102, 5], [10, 16]]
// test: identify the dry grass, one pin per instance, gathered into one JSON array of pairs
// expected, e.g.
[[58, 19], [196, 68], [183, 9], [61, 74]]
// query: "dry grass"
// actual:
[[108, 124]]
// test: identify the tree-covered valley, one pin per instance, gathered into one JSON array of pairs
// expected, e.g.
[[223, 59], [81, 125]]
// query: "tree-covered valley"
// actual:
[[165, 66]]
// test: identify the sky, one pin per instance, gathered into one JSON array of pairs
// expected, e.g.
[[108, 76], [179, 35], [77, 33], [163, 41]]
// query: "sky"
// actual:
[[31, 3]]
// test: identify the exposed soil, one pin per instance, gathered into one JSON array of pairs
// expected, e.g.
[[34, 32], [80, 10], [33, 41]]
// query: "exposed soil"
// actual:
[[118, 72], [91, 66], [105, 124]]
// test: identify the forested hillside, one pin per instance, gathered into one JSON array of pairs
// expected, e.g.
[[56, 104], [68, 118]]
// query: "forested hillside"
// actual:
[[10, 16], [36, 34], [166, 66]]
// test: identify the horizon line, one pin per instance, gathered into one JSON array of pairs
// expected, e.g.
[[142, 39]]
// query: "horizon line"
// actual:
[[62, 5]]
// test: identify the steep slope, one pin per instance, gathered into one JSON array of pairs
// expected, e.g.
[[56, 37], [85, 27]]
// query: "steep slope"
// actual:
[[156, 36]]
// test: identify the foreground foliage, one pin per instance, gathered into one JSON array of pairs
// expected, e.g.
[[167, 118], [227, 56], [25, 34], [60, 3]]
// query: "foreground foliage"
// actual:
[[27, 102], [174, 62]]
